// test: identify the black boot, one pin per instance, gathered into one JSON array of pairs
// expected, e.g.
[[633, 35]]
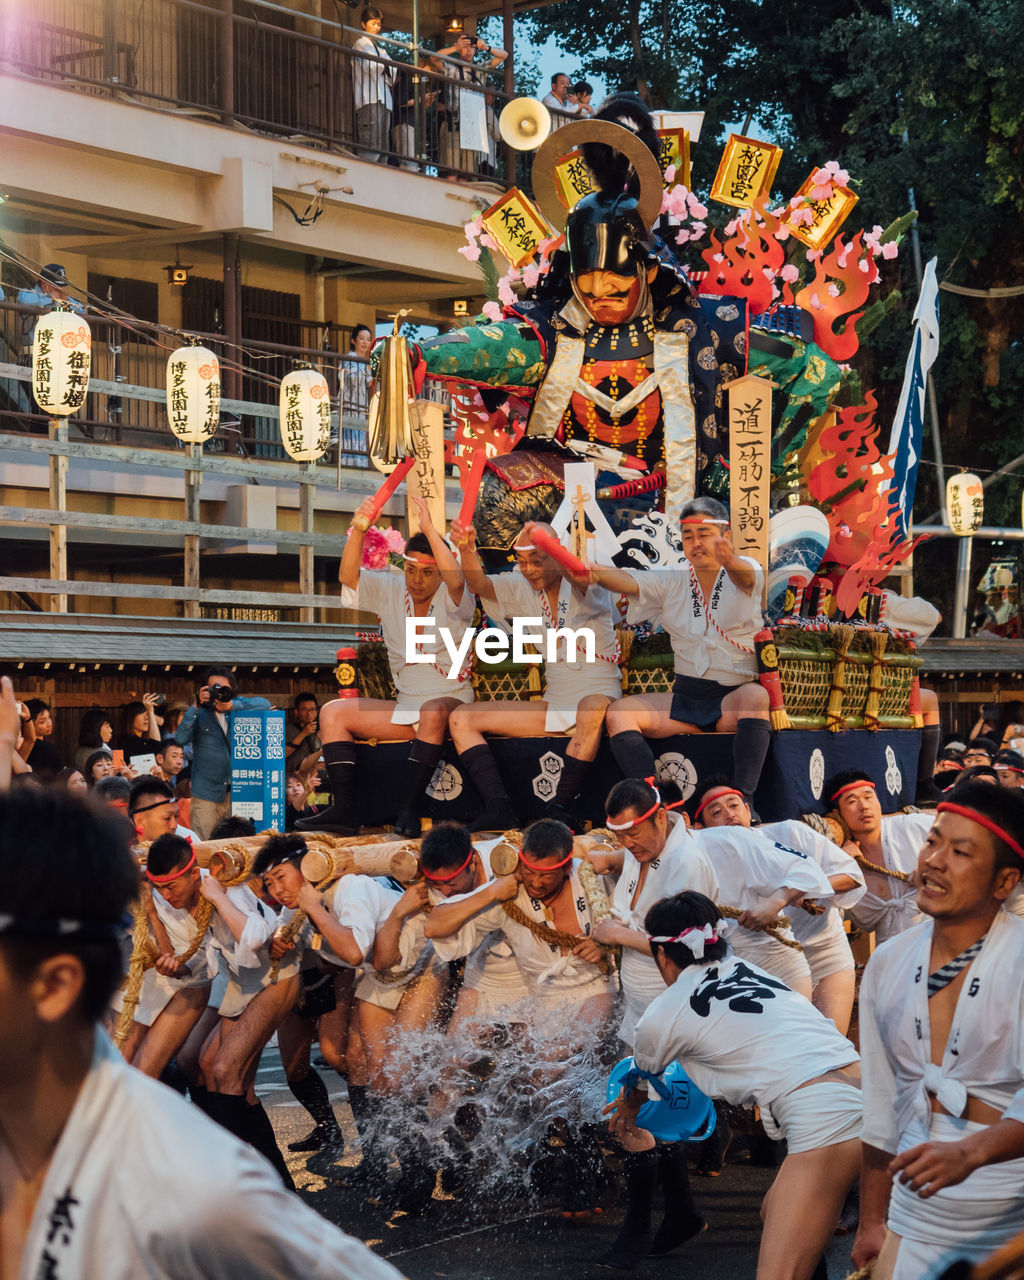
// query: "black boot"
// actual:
[[373, 1170], [415, 1185], [682, 1220], [498, 813], [570, 784], [264, 1139], [311, 1092], [340, 817], [926, 792], [200, 1097], [633, 1241], [749, 748], [234, 1113], [423, 758], [633, 754]]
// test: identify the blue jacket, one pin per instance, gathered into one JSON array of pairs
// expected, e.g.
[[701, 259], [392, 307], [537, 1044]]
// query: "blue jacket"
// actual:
[[211, 753]]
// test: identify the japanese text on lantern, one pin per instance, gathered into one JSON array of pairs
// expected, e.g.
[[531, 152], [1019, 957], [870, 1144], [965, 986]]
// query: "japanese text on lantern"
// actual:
[[293, 424], [426, 480], [42, 366], [746, 171], [750, 440], [572, 178], [827, 215], [515, 226], [674, 149], [177, 398]]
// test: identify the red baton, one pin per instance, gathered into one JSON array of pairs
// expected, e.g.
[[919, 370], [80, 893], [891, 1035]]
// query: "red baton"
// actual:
[[472, 489], [390, 485], [545, 542]]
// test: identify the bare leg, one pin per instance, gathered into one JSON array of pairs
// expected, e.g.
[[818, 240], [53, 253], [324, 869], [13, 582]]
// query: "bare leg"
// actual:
[[171, 1029], [348, 719], [240, 1048], [802, 1208], [136, 1034], [833, 996], [471, 720], [189, 1054]]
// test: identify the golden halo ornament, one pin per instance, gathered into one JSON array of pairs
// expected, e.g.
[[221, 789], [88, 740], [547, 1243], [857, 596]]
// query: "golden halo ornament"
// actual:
[[616, 136]]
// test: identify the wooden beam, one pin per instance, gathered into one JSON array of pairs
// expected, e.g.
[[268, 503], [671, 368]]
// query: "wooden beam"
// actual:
[[58, 505], [146, 591]]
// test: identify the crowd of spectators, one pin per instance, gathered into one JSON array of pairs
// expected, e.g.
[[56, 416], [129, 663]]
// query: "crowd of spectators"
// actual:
[[169, 770]]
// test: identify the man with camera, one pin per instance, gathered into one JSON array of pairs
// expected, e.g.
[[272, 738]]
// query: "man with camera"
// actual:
[[207, 726], [463, 71]]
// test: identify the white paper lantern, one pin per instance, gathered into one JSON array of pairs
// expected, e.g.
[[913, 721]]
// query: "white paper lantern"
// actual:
[[61, 359], [965, 503], [193, 394], [305, 415]]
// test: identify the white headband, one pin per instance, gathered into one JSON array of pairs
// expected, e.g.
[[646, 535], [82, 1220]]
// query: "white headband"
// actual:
[[694, 938]]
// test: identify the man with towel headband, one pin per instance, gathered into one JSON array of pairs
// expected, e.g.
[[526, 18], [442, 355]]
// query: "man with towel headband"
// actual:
[[104, 1172], [941, 1034], [429, 587]]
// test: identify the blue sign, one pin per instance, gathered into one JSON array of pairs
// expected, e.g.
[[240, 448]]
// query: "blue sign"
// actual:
[[257, 768]]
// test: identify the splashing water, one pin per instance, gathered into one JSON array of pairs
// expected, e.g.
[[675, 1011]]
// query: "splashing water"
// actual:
[[508, 1107]]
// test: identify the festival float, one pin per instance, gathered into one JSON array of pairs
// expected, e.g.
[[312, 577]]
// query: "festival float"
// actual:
[[737, 381]]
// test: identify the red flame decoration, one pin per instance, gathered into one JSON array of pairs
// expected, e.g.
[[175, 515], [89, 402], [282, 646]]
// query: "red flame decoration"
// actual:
[[476, 429], [853, 485], [840, 266], [751, 260]]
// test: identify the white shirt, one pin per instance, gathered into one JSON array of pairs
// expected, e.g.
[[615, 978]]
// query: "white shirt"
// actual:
[[681, 865], [739, 1033], [748, 867], [554, 103], [889, 906], [984, 1055], [567, 681], [547, 972], [491, 965], [371, 81], [699, 629], [143, 1184], [385, 595], [834, 861]]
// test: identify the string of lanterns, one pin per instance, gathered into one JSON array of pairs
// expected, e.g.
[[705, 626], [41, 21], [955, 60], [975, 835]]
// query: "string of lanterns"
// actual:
[[62, 361]]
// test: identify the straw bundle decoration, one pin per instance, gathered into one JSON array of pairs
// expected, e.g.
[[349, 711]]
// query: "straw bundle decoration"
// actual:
[[842, 638], [877, 640]]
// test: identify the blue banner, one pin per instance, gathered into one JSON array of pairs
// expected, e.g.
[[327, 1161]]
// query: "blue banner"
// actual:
[[257, 768], [908, 425]]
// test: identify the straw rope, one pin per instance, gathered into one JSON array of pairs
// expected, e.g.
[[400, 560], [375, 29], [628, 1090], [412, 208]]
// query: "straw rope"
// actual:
[[144, 951], [774, 929], [862, 1273]]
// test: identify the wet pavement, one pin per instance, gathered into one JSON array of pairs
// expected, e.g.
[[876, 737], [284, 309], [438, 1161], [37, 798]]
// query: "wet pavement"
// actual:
[[521, 1238]]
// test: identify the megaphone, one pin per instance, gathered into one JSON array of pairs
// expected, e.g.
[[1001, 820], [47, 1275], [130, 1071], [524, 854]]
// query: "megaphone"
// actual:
[[524, 123]]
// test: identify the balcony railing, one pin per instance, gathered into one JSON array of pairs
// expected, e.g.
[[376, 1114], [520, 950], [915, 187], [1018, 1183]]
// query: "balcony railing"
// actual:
[[125, 404], [270, 69]]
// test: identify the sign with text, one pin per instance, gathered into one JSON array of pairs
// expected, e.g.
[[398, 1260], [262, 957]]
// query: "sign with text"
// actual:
[[515, 226], [746, 171], [674, 149], [827, 215], [750, 466], [573, 180], [426, 479], [256, 739]]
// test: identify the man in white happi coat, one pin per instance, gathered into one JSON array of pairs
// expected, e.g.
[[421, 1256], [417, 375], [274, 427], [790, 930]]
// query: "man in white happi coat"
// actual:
[[220, 1054], [428, 595], [578, 686], [742, 1035], [569, 976], [493, 988], [659, 859], [103, 1172], [820, 931], [942, 1039], [711, 609], [890, 842], [390, 1005]]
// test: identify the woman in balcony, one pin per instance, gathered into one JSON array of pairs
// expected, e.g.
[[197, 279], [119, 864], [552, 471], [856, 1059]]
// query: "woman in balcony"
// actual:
[[372, 82]]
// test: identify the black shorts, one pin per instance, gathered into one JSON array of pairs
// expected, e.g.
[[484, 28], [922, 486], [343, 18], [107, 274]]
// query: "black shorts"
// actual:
[[316, 995], [698, 702]]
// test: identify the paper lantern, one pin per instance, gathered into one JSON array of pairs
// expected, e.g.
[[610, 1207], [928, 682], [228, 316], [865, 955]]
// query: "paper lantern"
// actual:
[[61, 359], [965, 503], [193, 394], [305, 415]]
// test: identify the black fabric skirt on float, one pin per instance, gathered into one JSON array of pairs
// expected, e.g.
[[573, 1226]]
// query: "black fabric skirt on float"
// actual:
[[698, 702]]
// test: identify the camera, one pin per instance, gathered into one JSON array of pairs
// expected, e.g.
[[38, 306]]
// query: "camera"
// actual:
[[221, 693]]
